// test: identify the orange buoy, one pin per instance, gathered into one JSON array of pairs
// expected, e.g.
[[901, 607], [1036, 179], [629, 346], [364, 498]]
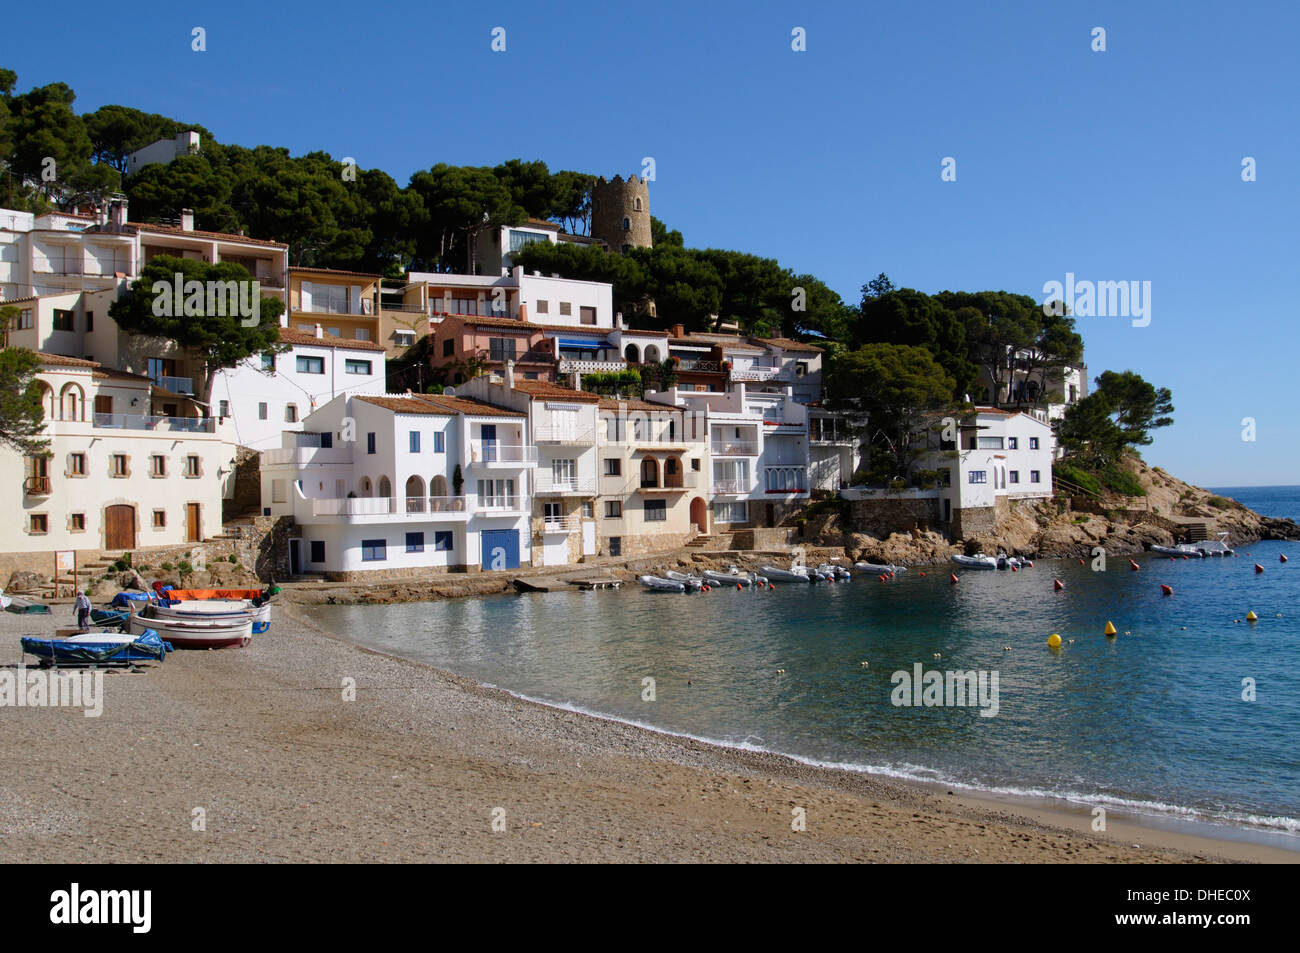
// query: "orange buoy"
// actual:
[[923, 574], [1080, 562], [1058, 585], [953, 577], [1280, 559], [1172, 558], [1258, 568], [739, 586], [1166, 590], [771, 585], [1015, 568], [1132, 565]]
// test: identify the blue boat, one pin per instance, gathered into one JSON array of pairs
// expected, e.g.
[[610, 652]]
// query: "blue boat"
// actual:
[[110, 617], [123, 600], [99, 648]]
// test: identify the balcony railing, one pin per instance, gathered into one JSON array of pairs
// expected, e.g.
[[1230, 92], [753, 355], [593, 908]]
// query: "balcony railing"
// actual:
[[561, 524], [693, 364], [731, 486], [37, 486], [306, 455], [550, 484], [177, 385], [572, 365], [144, 422], [785, 479], [386, 506], [754, 373], [488, 451], [688, 480], [550, 434], [733, 448], [489, 504]]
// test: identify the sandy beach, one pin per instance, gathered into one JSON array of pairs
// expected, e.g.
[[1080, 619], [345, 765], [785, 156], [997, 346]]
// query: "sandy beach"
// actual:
[[261, 747]]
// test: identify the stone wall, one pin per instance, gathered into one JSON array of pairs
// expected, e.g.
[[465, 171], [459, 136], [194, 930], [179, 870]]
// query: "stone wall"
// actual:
[[246, 499], [643, 544], [881, 518], [974, 521], [764, 538]]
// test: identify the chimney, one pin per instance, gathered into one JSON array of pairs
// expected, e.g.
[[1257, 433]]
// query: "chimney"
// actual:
[[117, 213], [510, 375], [187, 220], [519, 272], [320, 332], [679, 331], [618, 320]]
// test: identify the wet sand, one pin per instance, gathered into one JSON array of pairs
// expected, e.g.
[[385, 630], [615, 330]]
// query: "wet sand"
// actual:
[[262, 750]]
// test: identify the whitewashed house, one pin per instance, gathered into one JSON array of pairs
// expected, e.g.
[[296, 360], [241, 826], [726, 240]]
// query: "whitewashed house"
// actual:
[[401, 484]]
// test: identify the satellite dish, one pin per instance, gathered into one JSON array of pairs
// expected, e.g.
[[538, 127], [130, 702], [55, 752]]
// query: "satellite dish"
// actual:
[[449, 392]]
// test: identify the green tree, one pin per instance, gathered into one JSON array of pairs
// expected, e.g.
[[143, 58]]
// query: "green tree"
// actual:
[[117, 131], [1116, 417], [21, 414], [461, 202], [898, 387], [217, 340], [660, 235], [908, 317]]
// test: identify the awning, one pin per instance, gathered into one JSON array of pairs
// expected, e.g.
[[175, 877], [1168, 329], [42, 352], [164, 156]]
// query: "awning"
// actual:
[[585, 345]]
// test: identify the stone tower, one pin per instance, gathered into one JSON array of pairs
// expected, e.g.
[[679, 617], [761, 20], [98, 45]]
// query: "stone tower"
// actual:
[[620, 212]]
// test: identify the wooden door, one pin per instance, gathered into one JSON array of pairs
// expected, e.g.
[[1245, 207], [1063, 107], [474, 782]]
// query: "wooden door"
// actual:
[[192, 533], [103, 404], [119, 527]]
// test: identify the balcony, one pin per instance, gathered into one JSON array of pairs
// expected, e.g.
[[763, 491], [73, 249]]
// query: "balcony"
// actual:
[[498, 505], [177, 385], [785, 479], [563, 435], [754, 373], [673, 483], [302, 456], [489, 453], [37, 486], [731, 487], [549, 485], [734, 448], [572, 365], [698, 365], [562, 524], [410, 507], [165, 424]]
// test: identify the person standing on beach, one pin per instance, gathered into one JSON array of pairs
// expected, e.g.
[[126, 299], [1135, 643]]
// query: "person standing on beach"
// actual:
[[82, 605]]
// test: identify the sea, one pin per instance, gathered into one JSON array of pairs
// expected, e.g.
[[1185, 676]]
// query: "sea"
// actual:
[[1189, 717]]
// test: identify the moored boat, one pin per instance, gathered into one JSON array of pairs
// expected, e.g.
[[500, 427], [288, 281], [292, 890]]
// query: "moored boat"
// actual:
[[716, 578], [1182, 549], [658, 584], [879, 569], [777, 574], [1215, 547], [978, 561], [690, 582]]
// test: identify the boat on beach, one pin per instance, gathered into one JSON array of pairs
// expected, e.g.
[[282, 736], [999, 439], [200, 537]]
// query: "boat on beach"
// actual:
[[198, 633], [659, 584], [216, 601], [99, 648]]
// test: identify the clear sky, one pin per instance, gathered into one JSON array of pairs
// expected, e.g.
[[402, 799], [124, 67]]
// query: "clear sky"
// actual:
[[1116, 165]]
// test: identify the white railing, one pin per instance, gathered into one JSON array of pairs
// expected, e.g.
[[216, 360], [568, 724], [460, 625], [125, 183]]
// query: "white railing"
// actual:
[[561, 524], [386, 506], [733, 448], [488, 451], [572, 365], [785, 479], [143, 422], [306, 455], [547, 482], [551, 434], [730, 486], [505, 504], [177, 385], [754, 373]]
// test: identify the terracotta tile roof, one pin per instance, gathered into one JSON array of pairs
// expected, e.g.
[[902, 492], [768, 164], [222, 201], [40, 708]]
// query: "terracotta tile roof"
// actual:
[[409, 404], [466, 405], [539, 223], [62, 360], [474, 321], [196, 233], [548, 391], [787, 344], [332, 271], [308, 338], [98, 370]]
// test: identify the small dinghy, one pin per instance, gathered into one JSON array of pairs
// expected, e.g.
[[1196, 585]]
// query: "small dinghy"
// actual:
[[978, 561], [99, 648], [658, 584], [693, 583], [196, 633], [21, 606], [1216, 547], [1182, 549], [733, 577], [797, 574], [879, 569], [833, 571]]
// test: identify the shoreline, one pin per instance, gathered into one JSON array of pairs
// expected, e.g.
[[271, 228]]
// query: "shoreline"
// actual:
[[1231, 841]]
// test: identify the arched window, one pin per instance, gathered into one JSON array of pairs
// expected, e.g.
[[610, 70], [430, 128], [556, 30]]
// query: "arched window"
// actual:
[[649, 472], [438, 486], [72, 403], [651, 354], [632, 354], [414, 494], [638, 203], [365, 487], [385, 487], [627, 224]]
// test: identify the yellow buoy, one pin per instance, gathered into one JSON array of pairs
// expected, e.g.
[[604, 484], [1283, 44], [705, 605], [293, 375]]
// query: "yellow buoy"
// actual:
[[1110, 628], [1054, 641], [1251, 617]]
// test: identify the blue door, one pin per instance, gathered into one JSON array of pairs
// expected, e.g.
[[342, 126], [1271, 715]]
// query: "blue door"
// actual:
[[489, 443], [500, 548]]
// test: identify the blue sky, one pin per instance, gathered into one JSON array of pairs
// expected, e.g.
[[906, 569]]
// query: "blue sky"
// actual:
[[1122, 165]]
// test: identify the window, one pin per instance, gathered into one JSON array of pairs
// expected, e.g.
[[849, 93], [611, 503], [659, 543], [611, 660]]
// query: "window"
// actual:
[[23, 321], [695, 464], [553, 511], [76, 464], [261, 410], [501, 349], [40, 523], [404, 338], [223, 408], [439, 442], [1035, 476], [268, 362], [442, 541], [90, 321], [978, 476], [656, 511], [543, 307], [1013, 476], [735, 511], [988, 443], [77, 523], [192, 465], [588, 511], [613, 466], [1033, 443], [627, 225], [415, 441], [566, 308], [117, 465], [310, 365], [326, 441], [613, 509], [374, 550], [1013, 443], [415, 542], [317, 551], [159, 519], [157, 465], [587, 315], [448, 347], [356, 367], [361, 334], [290, 413], [370, 443], [801, 368], [63, 320]]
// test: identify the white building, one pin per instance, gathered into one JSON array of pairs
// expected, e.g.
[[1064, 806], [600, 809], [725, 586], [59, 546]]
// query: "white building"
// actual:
[[163, 151], [119, 475], [400, 484], [269, 395]]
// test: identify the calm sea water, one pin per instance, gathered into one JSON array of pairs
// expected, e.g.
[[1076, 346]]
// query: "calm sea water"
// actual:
[[1282, 502], [1152, 721]]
